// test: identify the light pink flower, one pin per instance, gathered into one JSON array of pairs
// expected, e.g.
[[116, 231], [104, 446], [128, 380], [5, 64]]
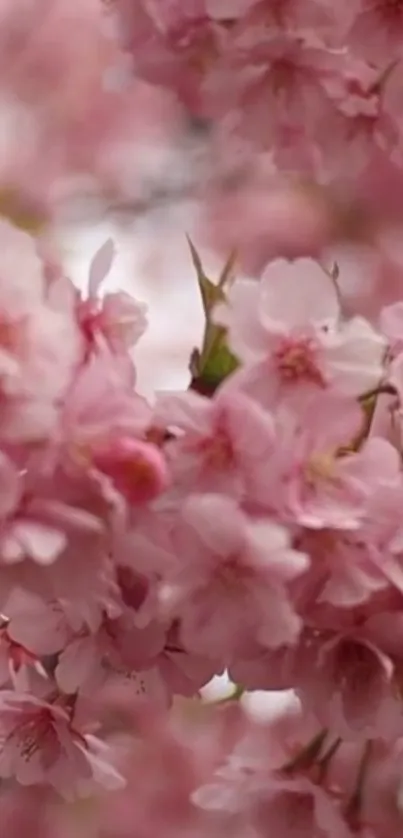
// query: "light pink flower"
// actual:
[[116, 317], [101, 437], [348, 567], [344, 572], [314, 476], [34, 524], [17, 663], [230, 578], [41, 627], [117, 650], [185, 672], [268, 77], [103, 398], [258, 785], [219, 443], [38, 743], [170, 45], [391, 320], [40, 344], [350, 684], [288, 329], [297, 807]]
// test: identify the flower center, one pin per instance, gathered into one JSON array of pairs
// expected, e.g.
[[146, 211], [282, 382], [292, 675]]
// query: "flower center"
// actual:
[[217, 451], [296, 361], [320, 467], [232, 575], [196, 42]]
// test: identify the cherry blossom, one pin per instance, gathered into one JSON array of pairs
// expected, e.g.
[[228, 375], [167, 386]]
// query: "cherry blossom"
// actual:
[[222, 440], [221, 596], [40, 345], [116, 317], [288, 329], [38, 741], [242, 533]]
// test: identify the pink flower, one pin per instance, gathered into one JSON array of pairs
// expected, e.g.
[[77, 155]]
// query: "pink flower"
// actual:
[[38, 744], [17, 663], [288, 329], [283, 13], [219, 443], [350, 684], [116, 318], [118, 649], [102, 430], [381, 808], [392, 326], [292, 808], [40, 626], [40, 344], [137, 469], [170, 45], [376, 30], [34, 524], [268, 77], [267, 218], [229, 580], [185, 672], [344, 572], [314, 476], [103, 397], [259, 785], [229, 9]]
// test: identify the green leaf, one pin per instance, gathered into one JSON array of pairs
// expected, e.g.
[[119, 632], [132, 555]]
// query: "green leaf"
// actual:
[[214, 364], [227, 271], [210, 293], [210, 366], [218, 365]]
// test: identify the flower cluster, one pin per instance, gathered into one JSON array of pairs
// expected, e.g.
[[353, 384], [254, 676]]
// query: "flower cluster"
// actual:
[[252, 524], [254, 529], [302, 106], [312, 81]]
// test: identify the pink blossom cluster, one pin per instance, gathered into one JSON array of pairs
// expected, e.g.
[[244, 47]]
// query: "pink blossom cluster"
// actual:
[[69, 126], [145, 548], [250, 525], [302, 102], [314, 82]]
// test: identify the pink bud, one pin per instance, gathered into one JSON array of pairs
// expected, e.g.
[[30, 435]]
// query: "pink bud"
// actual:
[[137, 469]]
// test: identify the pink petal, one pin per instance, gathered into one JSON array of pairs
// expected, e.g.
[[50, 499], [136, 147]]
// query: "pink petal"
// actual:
[[100, 266], [39, 541]]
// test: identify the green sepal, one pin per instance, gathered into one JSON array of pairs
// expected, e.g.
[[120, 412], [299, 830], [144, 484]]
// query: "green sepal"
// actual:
[[210, 366]]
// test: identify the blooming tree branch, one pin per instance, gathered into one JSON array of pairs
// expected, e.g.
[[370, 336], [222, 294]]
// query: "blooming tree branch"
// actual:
[[251, 524]]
